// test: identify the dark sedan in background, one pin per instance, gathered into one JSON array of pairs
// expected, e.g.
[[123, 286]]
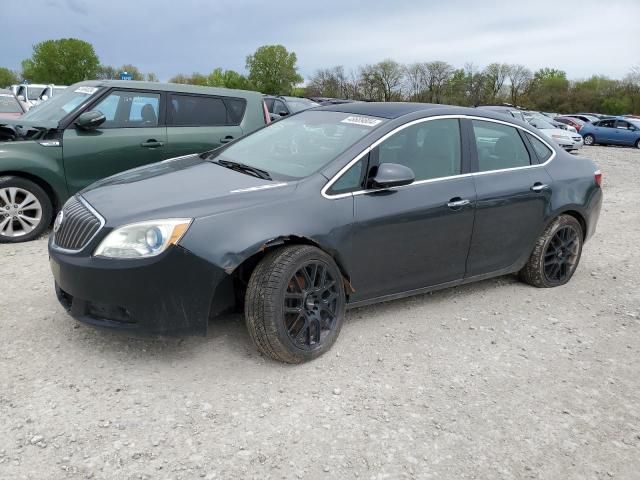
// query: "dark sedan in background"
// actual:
[[338, 206]]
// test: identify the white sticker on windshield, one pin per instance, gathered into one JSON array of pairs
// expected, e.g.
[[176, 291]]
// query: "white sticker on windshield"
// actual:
[[360, 120], [87, 90], [5, 95]]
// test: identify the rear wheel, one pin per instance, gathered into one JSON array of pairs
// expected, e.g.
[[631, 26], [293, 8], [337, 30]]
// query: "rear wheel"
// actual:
[[556, 255], [25, 210], [589, 139], [638, 143], [295, 304]]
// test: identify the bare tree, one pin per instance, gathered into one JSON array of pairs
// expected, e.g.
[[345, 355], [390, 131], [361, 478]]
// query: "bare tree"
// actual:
[[437, 74], [389, 74], [415, 83], [519, 79], [474, 83], [495, 75]]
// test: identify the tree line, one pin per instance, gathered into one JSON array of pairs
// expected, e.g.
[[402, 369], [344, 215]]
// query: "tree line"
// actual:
[[272, 69]]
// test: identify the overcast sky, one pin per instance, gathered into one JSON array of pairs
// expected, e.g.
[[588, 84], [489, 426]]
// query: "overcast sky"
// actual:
[[168, 37]]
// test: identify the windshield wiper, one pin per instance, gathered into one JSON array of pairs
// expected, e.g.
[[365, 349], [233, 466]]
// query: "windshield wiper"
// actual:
[[241, 167]]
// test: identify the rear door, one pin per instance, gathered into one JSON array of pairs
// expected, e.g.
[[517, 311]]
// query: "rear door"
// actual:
[[513, 194], [132, 135], [624, 133], [196, 123]]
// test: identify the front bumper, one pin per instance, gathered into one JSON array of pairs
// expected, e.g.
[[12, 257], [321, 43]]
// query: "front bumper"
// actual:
[[169, 294]]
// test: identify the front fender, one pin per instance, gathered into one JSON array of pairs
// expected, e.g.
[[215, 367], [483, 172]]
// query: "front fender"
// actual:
[[34, 160]]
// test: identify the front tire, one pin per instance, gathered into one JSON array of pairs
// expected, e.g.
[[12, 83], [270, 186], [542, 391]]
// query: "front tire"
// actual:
[[638, 143], [295, 304], [589, 139], [25, 210], [556, 255]]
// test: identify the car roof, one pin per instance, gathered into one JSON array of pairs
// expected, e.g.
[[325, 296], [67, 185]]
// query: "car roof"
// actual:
[[169, 87], [382, 109]]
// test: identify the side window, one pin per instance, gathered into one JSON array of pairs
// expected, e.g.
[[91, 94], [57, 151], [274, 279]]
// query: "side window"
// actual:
[[235, 109], [196, 111], [269, 102], [605, 123], [130, 109], [279, 108], [350, 181], [542, 151], [622, 125], [499, 146], [431, 149]]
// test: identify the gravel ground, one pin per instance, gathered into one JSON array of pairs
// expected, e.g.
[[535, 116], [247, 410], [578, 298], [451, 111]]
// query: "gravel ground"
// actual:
[[495, 380]]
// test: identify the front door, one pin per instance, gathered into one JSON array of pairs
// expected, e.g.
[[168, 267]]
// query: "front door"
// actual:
[[513, 194], [131, 136], [415, 236]]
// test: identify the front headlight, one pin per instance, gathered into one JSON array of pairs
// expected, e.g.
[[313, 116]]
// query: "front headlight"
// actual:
[[562, 137], [144, 239]]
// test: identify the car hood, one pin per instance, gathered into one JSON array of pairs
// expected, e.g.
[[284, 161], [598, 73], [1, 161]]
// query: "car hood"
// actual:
[[182, 187]]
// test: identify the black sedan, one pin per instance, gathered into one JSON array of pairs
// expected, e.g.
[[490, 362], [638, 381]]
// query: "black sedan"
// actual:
[[334, 207]]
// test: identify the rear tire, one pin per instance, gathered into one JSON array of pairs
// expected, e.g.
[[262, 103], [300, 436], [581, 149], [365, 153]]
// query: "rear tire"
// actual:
[[25, 210], [556, 254], [589, 139], [295, 304], [638, 143]]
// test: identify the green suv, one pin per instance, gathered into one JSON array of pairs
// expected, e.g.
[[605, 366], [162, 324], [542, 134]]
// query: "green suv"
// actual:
[[98, 128]]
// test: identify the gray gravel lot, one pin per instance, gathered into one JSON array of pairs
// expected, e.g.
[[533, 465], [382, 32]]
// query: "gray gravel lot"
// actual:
[[495, 380]]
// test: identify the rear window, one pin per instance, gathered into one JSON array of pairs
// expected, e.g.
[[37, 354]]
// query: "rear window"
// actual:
[[542, 151], [200, 110]]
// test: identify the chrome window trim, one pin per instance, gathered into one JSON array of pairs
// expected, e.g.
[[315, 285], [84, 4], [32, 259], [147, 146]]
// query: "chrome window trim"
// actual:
[[97, 215], [358, 157]]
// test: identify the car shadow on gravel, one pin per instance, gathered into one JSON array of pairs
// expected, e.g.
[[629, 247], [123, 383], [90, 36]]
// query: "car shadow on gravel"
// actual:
[[228, 340]]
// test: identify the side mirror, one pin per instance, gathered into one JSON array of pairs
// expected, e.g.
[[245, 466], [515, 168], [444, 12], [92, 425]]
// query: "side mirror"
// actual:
[[21, 98], [44, 98], [282, 113], [392, 175], [274, 117], [90, 120]]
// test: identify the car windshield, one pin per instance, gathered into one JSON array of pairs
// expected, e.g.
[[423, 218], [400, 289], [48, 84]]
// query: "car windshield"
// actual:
[[300, 145], [300, 104], [9, 104], [60, 105], [540, 123]]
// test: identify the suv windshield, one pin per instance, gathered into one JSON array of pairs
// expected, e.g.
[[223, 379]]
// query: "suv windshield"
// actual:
[[60, 105], [300, 145]]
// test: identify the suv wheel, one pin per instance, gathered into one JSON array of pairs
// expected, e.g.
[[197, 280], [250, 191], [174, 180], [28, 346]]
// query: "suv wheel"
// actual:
[[295, 304], [25, 210], [589, 139]]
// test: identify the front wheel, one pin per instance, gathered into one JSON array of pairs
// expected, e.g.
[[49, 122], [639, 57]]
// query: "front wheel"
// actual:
[[556, 255], [638, 143], [589, 139], [295, 304], [25, 210]]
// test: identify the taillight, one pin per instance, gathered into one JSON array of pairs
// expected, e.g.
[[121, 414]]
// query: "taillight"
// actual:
[[598, 177], [267, 118]]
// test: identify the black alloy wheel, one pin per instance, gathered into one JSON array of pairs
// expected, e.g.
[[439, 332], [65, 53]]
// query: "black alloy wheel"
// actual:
[[311, 305], [562, 253]]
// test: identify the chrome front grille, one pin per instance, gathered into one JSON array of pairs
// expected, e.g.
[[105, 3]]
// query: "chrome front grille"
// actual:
[[79, 224]]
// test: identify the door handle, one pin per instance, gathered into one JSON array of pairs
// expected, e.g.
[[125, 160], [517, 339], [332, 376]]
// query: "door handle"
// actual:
[[226, 139], [457, 203], [151, 143], [539, 187]]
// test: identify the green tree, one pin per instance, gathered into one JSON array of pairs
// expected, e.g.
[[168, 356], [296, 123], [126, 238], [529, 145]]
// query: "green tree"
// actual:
[[8, 77], [63, 62], [272, 69]]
